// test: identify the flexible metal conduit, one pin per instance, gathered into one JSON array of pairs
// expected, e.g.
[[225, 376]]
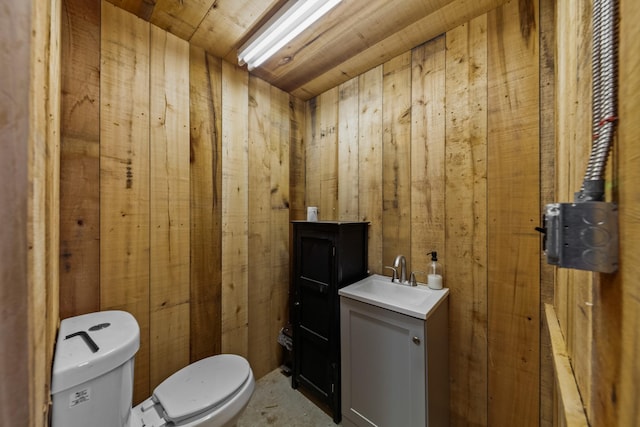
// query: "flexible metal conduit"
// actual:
[[605, 76]]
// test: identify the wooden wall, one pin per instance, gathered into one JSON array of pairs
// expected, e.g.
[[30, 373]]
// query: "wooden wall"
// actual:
[[547, 194], [440, 149], [443, 99], [29, 156], [432, 130], [573, 291], [622, 305], [15, 25], [597, 313], [174, 193], [44, 199]]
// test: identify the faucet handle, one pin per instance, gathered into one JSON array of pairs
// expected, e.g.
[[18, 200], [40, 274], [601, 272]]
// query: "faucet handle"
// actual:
[[413, 280], [395, 273]]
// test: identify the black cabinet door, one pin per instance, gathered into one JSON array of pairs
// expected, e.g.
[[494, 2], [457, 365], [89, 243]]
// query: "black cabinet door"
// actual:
[[314, 306], [326, 257]]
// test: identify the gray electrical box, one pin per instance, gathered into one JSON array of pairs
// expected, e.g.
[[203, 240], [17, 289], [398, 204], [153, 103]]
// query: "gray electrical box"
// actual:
[[582, 235]]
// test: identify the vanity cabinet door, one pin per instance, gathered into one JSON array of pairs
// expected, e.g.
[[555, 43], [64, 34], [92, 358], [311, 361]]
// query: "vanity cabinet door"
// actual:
[[383, 366]]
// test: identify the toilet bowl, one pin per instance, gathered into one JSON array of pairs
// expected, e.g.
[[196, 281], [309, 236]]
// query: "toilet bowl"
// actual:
[[92, 380]]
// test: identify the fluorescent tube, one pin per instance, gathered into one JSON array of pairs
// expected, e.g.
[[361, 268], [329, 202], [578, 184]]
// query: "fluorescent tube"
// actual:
[[290, 21]]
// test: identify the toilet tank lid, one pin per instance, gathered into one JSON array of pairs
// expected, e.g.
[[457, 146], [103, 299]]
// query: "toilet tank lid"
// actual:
[[116, 335], [203, 385]]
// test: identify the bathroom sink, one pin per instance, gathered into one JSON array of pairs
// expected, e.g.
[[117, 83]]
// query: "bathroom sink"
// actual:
[[415, 301]]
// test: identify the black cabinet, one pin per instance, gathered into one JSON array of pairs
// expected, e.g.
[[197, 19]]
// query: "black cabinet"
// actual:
[[327, 256]]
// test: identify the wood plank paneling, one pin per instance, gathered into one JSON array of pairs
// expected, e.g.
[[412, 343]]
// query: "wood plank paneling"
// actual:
[[547, 194], [51, 286], [348, 156], [205, 81], [513, 210], [235, 213], [570, 408], [141, 8], [180, 17], [42, 223], [124, 175], [454, 13], [574, 297], [370, 92], [628, 174], [30, 144], [169, 205], [226, 23], [322, 155], [574, 290], [280, 216], [578, 332], [466, 102], [259, 250], [565, 67], [396, 163], [315, 50], [15, 242], [617, 378], [615, 370], [466, 218], [427, 155], [297, 158], [312, 154], [173, 215], [328, 147], [79, 159], [320, 57]]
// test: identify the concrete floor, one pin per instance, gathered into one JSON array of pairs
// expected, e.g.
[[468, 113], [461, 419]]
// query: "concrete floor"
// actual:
[[275, 403]]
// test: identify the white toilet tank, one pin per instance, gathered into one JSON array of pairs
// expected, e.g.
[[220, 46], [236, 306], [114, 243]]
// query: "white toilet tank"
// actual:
[[92, 379]]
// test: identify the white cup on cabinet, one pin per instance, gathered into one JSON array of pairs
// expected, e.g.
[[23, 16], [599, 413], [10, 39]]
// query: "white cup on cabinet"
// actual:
[[312, 213]]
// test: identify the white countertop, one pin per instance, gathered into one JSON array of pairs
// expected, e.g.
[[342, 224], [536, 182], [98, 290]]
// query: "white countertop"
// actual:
[[415, 301]]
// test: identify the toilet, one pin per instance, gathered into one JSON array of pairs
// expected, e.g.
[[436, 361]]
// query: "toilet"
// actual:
[[92, 380]]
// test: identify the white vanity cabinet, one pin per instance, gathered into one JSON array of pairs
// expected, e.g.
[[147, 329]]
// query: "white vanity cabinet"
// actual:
[[394, 366]]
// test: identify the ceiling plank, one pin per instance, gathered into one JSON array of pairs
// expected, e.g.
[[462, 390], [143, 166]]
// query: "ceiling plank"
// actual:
[[228, 22], [442, 20], [354, 37], [141, 8], [349, 28], [180, 18]]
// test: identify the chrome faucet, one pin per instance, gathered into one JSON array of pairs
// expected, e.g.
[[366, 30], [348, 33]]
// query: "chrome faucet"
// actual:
[[401, 262]]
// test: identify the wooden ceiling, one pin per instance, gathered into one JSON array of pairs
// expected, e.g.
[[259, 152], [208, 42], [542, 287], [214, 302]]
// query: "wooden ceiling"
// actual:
[[352, 38]]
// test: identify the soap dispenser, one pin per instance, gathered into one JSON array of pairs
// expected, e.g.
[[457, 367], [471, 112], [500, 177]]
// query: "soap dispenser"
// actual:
[[434, 275]]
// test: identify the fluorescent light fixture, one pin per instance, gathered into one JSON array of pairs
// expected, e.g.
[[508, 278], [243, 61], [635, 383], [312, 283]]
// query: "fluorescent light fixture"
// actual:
[[284, 26]]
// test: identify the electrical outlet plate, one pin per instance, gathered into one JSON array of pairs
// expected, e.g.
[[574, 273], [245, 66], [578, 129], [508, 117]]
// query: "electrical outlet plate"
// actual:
[[582, 235]]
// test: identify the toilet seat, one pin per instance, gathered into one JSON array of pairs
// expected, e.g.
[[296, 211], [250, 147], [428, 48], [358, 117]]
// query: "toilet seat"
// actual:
[[210, 392], [201, 386]]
